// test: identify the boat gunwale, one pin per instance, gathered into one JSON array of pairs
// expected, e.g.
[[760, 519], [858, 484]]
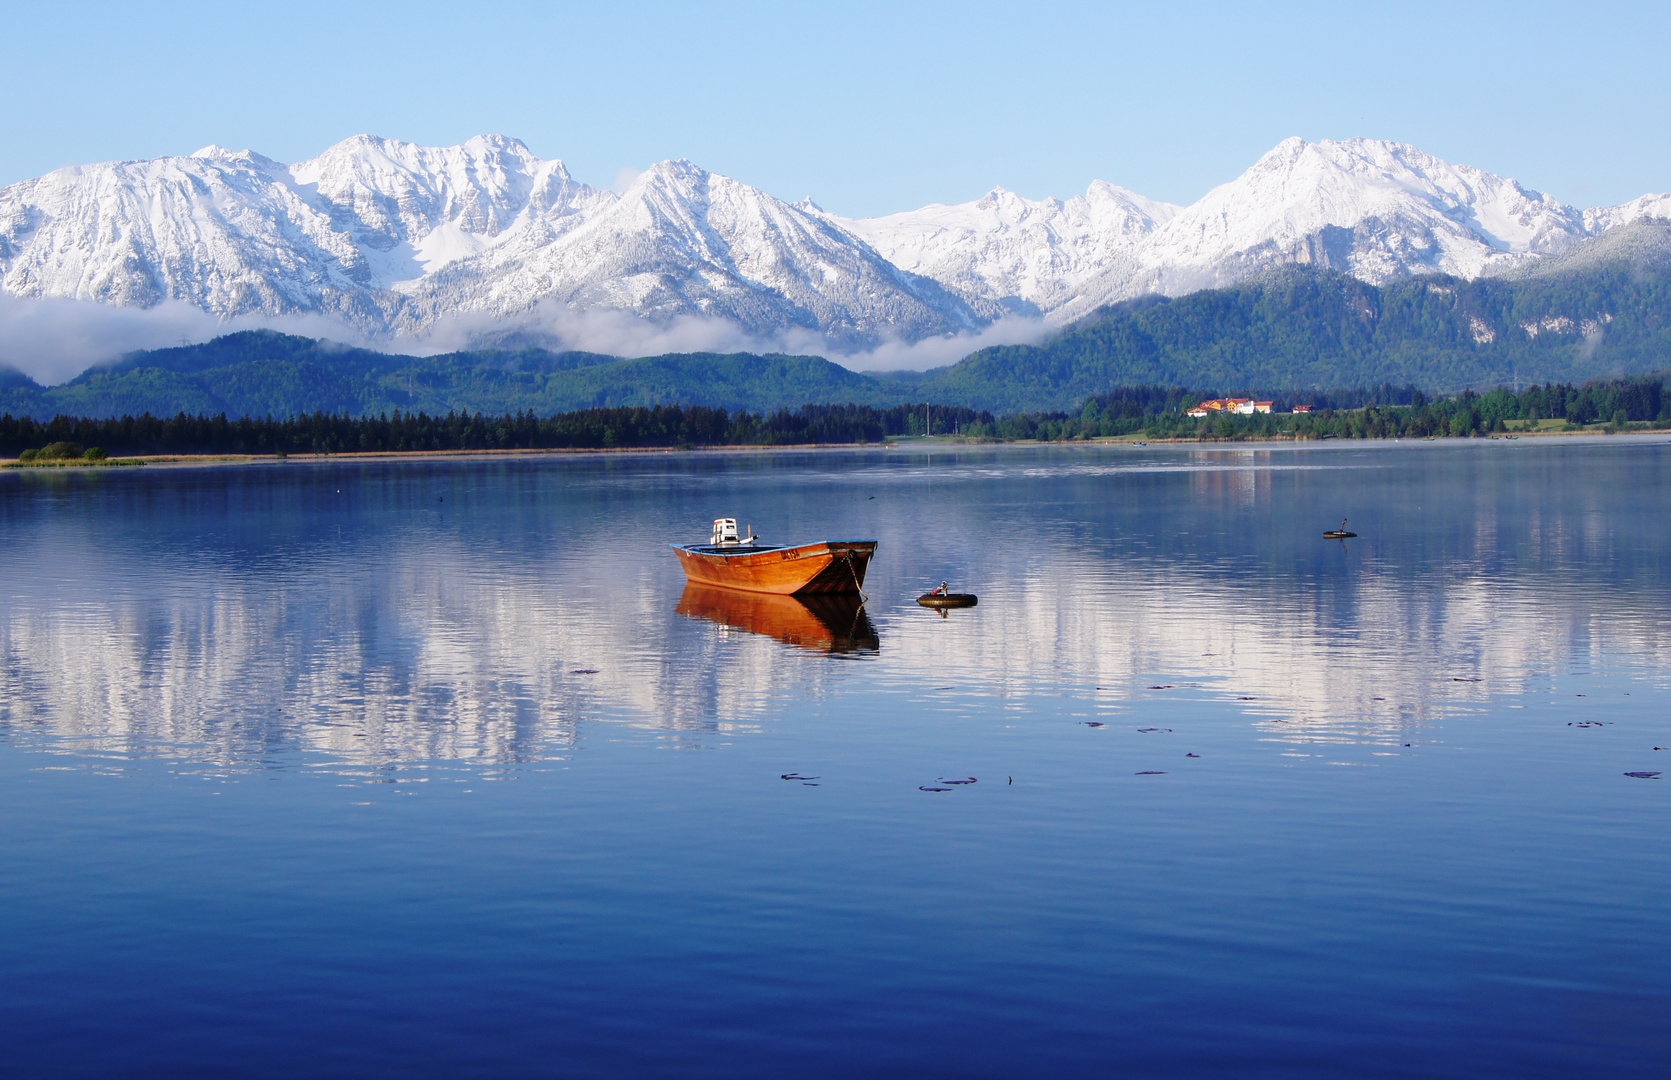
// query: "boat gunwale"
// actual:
[[711, 551]]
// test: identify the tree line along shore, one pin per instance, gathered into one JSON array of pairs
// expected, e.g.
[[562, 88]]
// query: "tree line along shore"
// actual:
[[1149, 411]]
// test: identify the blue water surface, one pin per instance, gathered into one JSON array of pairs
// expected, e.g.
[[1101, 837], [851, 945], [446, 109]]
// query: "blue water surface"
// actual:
[[433, 768]]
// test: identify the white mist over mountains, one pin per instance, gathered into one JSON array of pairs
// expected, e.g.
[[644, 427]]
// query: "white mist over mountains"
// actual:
[[392, 245]]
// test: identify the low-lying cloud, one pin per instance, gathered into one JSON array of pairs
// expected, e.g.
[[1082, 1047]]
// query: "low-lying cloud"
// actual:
[[622, 333], [53, 340]]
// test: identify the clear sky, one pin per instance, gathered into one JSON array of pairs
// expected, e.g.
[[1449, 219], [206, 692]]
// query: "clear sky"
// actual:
[[867, 107]]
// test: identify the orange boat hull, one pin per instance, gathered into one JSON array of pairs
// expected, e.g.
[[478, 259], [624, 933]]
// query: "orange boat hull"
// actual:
[[830, 566]]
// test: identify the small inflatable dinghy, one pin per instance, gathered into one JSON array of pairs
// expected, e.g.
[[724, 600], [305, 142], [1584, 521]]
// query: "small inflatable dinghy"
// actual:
[[944, 598]]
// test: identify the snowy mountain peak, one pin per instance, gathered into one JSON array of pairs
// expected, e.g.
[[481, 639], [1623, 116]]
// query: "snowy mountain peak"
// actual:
[[1027, 255], [1605, 218], [212, 152], [682, 241], [1329, 183]]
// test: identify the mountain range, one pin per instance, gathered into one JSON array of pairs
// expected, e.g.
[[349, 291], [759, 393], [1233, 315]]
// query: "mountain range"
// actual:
[[1597, 310], [395, 241]]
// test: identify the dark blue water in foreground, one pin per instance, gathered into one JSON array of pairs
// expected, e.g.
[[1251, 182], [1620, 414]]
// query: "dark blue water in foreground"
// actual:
[[429, 769]]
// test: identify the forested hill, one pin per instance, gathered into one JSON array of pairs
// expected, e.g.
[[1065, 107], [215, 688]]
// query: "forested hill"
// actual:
[[1604, 311], [263, 373], [1302, 328]]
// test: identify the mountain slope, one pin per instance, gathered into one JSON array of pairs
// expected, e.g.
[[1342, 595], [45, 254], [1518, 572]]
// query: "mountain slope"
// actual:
[[1030, 256], [683, 241], [1303, 327]]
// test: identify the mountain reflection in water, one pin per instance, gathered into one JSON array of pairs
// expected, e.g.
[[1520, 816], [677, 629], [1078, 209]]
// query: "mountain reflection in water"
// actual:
[[343, 612], [820, 623]]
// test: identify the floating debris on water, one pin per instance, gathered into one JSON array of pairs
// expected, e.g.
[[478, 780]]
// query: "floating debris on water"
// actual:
[[1247, 699], [1588, 723], [1150, 772], [1157, 688], [1147, 730], [970, 780], [1192, 755], [1471, 678], [925, 787], [1099, 723], [797, 776], [584, 671], [1644, 775]]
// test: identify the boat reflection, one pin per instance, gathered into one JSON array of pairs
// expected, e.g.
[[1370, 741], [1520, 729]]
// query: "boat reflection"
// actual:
[[832, 623]]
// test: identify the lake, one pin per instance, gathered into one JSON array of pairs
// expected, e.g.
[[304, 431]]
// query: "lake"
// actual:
[[392, 768]]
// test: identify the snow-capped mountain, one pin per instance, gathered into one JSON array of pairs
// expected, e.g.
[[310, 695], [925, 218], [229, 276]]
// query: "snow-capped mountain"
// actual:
[[1376, 210], [1604, 218], [684, 241], [1030, 256], [394, 239], [411, 210]]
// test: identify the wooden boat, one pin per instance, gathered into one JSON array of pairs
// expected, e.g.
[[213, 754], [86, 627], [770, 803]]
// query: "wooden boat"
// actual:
[[834, 622], [734, 562]]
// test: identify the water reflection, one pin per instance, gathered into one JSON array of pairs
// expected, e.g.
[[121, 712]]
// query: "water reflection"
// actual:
[[828, 623], [233, 617]]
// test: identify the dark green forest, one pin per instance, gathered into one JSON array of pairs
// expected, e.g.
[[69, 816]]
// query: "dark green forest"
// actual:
[[621, 427], [1153, 411], [1383, 412]]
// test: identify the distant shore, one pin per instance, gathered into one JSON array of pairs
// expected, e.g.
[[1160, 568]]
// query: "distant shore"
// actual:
[[200, 460]]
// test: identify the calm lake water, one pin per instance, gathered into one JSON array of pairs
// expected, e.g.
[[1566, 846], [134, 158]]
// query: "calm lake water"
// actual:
[[433, 768]]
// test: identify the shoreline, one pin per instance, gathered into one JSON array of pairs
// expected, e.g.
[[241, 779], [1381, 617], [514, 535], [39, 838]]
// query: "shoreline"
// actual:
[[918, 441]]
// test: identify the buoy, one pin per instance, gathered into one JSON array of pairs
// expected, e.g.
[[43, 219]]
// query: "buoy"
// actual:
[[943, 598]]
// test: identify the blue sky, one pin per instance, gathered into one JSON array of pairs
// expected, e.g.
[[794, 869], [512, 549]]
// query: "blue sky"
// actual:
[[868, 108]]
